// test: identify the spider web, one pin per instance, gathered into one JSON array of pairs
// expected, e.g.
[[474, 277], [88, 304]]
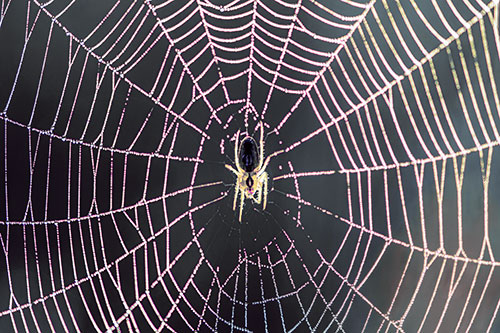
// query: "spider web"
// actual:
[[118, 118]]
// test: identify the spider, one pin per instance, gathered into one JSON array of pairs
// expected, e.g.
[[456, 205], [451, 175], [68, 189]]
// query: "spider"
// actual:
[[250, 170]]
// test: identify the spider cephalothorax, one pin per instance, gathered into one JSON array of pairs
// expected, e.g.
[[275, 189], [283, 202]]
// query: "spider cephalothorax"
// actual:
[[250, 170]]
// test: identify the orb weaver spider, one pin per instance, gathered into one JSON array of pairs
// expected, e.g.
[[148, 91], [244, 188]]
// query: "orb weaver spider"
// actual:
[[250, 170]]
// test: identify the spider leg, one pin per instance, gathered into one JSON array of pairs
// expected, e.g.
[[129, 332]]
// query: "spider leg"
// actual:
[[242, 201], [236, 147], [266, 162], [230, 168], [261, 144], [264, 182], [236, 189]]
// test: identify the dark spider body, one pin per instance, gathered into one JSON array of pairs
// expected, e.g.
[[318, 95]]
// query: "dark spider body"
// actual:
[[249, 158], [249, 155]]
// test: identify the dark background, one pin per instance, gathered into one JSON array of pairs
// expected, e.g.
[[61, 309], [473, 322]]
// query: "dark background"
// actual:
[[101, 225]]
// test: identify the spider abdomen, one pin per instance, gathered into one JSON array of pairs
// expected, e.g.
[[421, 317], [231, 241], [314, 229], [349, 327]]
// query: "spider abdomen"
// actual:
[[249, 154]]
